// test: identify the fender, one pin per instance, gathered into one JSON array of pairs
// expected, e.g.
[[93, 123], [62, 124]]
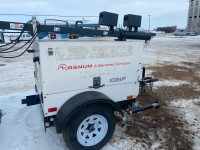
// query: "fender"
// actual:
[[79, 101]]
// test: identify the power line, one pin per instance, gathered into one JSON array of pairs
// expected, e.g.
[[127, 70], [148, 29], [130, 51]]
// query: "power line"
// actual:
[[42, 15]]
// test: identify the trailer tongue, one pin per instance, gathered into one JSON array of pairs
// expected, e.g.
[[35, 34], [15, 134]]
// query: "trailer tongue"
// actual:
[[80, 83]]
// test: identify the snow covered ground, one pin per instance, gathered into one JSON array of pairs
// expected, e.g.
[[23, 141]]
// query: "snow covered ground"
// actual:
[[22, 127]]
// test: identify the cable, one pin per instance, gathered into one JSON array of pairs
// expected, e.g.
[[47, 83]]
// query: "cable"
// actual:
[[6, 44], [6, 50], [12, 32], [17, 39], [33, 38], [23, 51], [9, 47], [19, 47]]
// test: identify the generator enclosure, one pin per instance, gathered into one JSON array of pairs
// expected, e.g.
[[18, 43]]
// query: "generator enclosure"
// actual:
[[65, 68]]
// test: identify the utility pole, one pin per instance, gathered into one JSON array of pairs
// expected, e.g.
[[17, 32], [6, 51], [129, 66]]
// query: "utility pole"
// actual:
[[149, 22]]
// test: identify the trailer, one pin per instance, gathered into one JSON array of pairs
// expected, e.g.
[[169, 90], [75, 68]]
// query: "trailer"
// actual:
[[81, 83], [167, 29]]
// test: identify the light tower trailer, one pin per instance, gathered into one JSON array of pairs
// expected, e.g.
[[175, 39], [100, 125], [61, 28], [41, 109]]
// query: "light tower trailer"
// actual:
[[81, 83]]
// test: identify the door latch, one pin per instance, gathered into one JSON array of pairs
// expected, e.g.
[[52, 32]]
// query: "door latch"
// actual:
[[50, 51], [97, 83]]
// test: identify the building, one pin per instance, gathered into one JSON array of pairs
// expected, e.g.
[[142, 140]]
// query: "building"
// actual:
[[193, 24]]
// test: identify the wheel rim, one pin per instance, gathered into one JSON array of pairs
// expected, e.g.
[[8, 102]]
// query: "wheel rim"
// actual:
[[92, 130]]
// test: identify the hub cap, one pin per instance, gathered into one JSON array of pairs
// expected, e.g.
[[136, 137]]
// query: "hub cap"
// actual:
[[92, 130]]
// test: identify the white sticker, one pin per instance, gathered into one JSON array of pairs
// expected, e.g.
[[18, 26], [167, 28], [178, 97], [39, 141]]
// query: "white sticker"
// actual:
[[56, 29], [16, 26], [105, 33]]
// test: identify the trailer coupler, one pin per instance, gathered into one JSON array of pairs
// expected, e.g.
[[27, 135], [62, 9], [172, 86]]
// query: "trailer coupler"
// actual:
[[146, 107], [31, 100]]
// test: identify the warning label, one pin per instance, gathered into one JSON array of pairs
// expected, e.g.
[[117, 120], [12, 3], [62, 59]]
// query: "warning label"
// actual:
[[16, 26]]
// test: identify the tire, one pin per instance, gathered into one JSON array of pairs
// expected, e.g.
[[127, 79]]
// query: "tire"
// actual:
[[90, 128], [188, 34]]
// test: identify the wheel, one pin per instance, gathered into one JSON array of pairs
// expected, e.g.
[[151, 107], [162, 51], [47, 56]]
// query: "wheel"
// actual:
[[188, 34], [90, 128]]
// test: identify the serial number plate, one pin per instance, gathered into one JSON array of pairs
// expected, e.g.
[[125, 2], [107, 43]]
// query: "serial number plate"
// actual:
[[120, 79]]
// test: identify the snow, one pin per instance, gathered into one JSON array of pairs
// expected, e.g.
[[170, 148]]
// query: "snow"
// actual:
[[170, 49], [125, 144], [163, 82], [22, 127], [155, 145], [190, 110]]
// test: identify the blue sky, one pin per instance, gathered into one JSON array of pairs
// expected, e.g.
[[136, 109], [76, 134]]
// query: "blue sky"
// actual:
[[163, 13]]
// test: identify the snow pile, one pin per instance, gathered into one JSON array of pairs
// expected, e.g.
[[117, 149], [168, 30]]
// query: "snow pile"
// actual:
[[22, 127], [170, 82], [190, 110]]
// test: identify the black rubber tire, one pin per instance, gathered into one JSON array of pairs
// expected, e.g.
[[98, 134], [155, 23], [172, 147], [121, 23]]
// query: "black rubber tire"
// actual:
[[70, 131], [188, 34]]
